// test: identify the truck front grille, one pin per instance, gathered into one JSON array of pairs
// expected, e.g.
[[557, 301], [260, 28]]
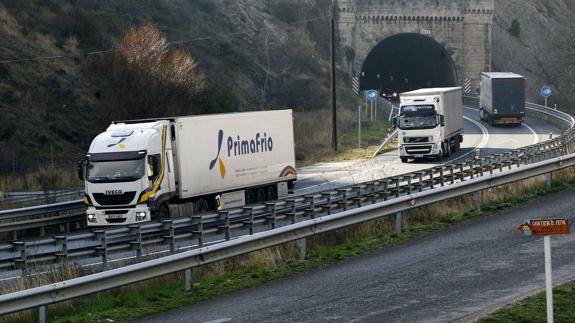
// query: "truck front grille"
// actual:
[[415, 139], [418, 150], [120, 199]]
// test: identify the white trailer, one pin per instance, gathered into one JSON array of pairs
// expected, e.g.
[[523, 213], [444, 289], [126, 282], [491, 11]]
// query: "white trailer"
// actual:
[[430, 123], [502, 98], [166, 167]]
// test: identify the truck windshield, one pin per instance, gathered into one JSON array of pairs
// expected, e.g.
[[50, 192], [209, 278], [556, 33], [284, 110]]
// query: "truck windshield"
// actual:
[[508, 96], [115, 171], [417, 117]]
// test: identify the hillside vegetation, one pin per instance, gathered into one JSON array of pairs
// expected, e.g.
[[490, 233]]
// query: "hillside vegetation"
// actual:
[[254, 55]]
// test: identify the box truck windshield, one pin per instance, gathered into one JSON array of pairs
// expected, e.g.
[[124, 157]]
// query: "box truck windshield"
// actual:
[[115, 171], [508, 96], [417, 117]]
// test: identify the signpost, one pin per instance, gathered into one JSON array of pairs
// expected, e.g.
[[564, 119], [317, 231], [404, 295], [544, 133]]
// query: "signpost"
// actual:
[[546, 93], [371, 97], [546, 227]]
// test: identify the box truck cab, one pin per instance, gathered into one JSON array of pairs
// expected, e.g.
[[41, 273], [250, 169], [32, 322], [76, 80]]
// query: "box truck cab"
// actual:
[[430, 123], [502, 98], [144, 169]]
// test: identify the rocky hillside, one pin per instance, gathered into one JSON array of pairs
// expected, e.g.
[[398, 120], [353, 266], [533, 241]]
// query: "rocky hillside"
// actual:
[[543, 49]]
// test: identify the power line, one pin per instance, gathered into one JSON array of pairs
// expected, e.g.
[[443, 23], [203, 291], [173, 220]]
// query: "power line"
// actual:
[[247, 31]]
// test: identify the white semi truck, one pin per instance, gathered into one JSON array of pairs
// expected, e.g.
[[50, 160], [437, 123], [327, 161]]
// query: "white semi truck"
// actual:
[[430, 123], [157, 168], [502, 98]]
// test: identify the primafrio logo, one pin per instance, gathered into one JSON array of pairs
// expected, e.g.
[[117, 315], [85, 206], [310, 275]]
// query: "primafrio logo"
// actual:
[[237, 146]]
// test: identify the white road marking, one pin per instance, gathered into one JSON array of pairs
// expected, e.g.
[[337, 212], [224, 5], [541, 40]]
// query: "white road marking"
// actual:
[[536, 140], [227, 319], [481, 144]]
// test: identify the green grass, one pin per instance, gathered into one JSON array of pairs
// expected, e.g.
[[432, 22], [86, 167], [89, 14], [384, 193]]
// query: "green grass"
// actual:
[[166, 293], [533, 309]]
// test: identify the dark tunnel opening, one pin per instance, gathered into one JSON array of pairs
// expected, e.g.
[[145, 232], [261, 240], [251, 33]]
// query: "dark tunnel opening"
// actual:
[[406, 62]]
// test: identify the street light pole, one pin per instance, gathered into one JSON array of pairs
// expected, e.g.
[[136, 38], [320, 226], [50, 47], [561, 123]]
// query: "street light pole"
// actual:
[[333, 94]]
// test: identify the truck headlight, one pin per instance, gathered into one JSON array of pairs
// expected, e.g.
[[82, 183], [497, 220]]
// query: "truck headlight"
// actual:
[[92, 218], [140, 216]]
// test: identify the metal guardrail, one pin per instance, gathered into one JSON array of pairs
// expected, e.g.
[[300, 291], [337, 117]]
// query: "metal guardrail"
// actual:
[[70, 289]]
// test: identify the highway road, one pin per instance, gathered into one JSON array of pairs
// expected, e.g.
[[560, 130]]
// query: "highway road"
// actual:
[[477, 134], [455, 274]]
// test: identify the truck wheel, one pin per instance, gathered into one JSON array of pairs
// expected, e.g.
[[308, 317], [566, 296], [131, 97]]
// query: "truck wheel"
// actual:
[[163, 212], [270, 193], [250, 197], [404, 159], [457, 144], [201, 206], [260, 195]]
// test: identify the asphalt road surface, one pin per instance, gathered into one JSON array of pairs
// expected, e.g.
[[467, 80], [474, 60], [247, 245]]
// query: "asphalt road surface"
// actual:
[[477, 134], [449, 275]]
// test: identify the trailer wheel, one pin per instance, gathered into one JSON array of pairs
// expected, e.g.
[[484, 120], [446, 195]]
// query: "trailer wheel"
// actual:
[[250, 197], [457, 143], [260, 195], [201, 206], [270, 193]]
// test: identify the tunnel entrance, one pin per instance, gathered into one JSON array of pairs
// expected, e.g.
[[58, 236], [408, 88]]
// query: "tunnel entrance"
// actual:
[[406, 62]]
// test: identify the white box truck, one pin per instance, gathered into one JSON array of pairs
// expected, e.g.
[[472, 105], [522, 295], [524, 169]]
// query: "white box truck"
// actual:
[[430, 123], [164, 167], [502, 98]]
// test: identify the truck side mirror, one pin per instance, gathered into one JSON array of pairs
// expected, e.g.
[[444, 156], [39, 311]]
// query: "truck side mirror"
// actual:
[[82, 168], [394, 122]]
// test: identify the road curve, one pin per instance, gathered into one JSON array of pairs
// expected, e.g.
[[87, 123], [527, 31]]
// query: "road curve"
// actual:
[[453, 274], [490, 139]]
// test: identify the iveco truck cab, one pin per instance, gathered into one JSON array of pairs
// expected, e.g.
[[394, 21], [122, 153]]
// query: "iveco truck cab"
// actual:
[[430, 123]]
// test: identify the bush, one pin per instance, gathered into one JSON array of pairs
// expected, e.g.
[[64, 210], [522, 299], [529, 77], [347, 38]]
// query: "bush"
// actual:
[[515, 28]]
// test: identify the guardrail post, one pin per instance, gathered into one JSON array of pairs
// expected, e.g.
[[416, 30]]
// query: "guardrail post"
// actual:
[[397, 186], [137, 243], [343, 202], [188, 280], [103, 249], [420, 181], [42, 314], [441, 175], [62, 242], [549, 179], [250, 211], [479, 200], [328, 204], [309, 211], [451, 173], [370, 187], [410, 189], [169, 225], [385, 189], [302, 248], [357, 192], [272, 217], [199, 229], [22, 263], [398, 223], [226, 225]]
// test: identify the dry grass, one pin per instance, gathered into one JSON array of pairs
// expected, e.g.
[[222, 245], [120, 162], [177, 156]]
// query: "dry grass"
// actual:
[[42, 179]]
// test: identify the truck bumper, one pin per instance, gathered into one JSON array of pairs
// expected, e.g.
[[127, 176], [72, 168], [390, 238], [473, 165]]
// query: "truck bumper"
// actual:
[[117, 216], [419, 150]]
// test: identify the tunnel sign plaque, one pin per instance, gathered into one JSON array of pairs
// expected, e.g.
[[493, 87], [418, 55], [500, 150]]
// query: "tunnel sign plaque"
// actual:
[[544, 227]]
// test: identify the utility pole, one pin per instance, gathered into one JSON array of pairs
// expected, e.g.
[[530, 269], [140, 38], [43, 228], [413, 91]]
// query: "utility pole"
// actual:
[[333, 97]]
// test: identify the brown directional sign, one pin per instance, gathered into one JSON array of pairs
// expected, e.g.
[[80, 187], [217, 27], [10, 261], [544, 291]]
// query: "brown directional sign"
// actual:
[[544, 227]]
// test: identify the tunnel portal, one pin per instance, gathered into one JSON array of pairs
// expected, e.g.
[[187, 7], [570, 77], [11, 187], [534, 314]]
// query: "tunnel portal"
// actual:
[[406, 62]]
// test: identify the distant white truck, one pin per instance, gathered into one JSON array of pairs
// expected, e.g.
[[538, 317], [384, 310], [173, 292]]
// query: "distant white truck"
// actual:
[[157, 168], [430, 123], [502, 98]]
